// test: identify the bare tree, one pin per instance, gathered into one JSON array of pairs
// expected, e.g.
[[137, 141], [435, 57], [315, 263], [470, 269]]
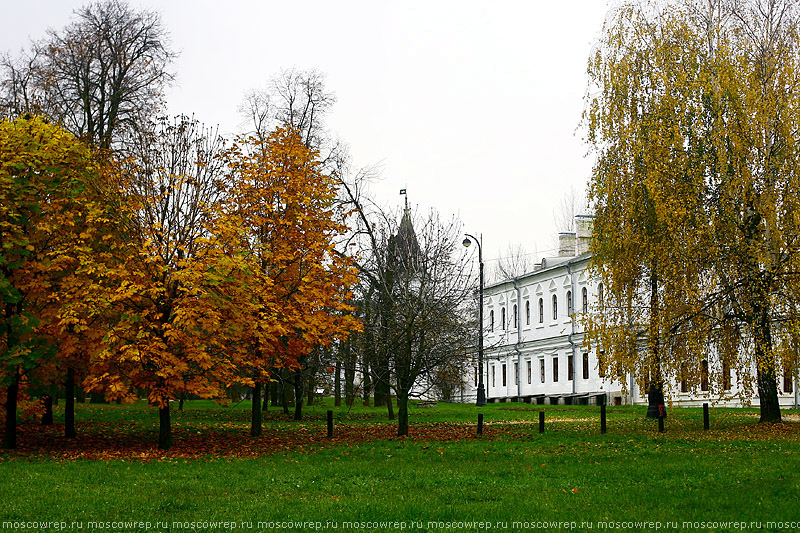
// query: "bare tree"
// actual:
[[514, 262], [571, 204], [100, 77], [417, 285], [18, 91], [297, 98]]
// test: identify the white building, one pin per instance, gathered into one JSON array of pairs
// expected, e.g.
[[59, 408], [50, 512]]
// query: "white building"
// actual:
[[534, 339]]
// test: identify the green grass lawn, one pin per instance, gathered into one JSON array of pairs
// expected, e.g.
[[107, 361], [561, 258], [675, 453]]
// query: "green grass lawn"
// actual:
[[634, 477]]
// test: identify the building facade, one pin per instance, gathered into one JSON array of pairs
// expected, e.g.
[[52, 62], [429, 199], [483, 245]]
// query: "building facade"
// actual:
[[534, 347]]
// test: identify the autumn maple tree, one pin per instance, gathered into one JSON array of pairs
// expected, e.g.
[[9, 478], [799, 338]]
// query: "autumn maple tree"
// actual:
[[691, 110]]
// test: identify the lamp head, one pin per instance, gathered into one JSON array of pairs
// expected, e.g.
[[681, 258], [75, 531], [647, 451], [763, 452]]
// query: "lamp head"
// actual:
[[466, 242]]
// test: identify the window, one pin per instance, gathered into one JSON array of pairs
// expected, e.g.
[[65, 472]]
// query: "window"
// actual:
[[555, 307], [684, 385], [516, 373], [476, 376], [726, 376], [586, 366], [528, 313], [569, 303], [541, 310], [585, 297], [529, 372], [504, 375], [515, 316], [555, 369], [600, 294], [787, 379], [491, 320], [503, 318], [541, 369], [492, 375], [704, 375], [601, 363], [570, 367]]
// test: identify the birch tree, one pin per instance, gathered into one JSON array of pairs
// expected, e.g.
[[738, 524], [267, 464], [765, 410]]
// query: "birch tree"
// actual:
[[689, 111]]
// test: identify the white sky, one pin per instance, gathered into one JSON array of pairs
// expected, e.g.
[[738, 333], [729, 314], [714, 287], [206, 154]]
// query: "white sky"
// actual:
[[474, 107]]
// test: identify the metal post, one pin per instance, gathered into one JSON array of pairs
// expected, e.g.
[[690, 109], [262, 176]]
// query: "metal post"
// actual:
[[603, 419], [705, 417], [330, 424], [481, 395], [541, 421], [480, 423], [661, 423]]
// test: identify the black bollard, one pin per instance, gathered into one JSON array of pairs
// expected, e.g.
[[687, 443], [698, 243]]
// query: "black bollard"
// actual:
[[603, 419], [480, 424], [705, 417], [541, 421], [330, 424]]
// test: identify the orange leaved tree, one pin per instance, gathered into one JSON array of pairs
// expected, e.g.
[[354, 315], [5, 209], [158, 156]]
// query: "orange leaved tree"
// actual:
[[300, 285], [177, 279]]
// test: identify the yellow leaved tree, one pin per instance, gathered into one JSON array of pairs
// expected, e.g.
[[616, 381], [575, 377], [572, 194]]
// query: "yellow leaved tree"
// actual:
[[690, 109], [52, 214], [299, 285]]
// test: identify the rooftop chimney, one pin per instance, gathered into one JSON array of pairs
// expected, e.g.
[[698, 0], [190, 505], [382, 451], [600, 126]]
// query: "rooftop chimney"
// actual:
[[583, 227], [566, 244]]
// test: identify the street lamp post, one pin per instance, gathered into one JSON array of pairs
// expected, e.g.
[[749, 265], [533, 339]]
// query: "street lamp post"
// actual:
[[481, 400]]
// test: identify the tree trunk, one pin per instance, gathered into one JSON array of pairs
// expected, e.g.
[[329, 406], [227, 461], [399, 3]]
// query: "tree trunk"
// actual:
[[298, 396], [655, 401], [402, 414], [47, 416], [80, 395], [337, 383], [286, 395], [255, 418], [655, 391], [381, 391], [390, 406], [277, 393], [10, 434], [97, 397], [765, 371], [367, 387], [164, 428], [765, 356], [310, 392], [69, 405]]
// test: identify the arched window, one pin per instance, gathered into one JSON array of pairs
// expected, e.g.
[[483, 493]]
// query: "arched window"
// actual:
[[528, 312], [555, 307], [491, 320], [600, 294], [569, 303], [541, 310], [515, 317], [503, 318], [704, 375], [585, 295]]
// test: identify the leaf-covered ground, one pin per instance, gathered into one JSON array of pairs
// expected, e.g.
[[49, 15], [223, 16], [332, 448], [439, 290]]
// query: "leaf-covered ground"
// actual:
[[129, 432]]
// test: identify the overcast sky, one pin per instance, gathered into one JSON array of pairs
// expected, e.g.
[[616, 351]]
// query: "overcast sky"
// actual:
[[473, 107]]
